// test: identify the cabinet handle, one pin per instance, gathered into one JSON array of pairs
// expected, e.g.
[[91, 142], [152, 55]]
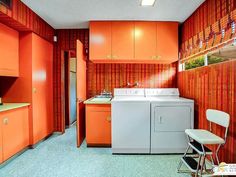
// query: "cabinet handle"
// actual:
[[5, 121], [153, 57], [109, 118], [108, 56], [114, 56], [158, 57], [34, 90]]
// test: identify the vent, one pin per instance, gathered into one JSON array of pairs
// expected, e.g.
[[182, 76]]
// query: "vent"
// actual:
[[6, 3]]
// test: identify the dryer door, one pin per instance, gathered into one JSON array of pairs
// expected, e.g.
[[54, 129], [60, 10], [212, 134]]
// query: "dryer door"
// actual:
[[168, 124], [172, 118]]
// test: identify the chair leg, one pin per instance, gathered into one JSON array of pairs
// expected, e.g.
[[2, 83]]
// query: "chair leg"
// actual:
[[217, 158], [181, 163], [199, 161], [212, 161], [203, 164]]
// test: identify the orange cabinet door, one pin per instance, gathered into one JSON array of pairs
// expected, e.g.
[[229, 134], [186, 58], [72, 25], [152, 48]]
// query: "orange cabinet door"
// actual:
[[100, 40], [15, 131], [1, 145], [42, 83], [122, 40], [9, 50], [98, 125], [167, 42], [145, 40], [81, 92]]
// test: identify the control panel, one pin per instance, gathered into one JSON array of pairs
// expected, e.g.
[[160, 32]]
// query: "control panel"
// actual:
[[129, 92], [162, 92]]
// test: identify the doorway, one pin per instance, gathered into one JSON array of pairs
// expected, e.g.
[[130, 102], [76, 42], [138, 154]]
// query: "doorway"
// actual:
[[70, 88]]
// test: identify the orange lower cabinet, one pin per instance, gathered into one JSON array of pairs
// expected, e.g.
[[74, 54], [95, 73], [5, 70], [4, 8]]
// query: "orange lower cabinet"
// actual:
[[98, 125], [15, 131]]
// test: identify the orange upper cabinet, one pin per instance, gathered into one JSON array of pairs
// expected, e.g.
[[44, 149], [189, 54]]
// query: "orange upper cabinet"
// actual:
[[100, 41], [122, 40], [134, 42], [167, 42], [9, 51], [145, 40]]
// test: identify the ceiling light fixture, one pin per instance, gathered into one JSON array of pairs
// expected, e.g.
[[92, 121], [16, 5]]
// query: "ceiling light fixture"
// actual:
[[147, 2]]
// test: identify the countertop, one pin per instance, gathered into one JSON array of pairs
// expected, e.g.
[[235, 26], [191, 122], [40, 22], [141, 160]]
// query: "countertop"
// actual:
[[98, 101], [9, 106]]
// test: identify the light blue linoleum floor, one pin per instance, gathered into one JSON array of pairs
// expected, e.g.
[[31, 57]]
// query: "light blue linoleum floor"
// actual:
[[58, 156]]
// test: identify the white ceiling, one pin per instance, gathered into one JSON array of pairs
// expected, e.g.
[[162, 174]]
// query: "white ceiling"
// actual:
[[77, 13]]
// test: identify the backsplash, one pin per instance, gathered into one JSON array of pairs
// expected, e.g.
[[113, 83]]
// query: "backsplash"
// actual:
[[110, 76]]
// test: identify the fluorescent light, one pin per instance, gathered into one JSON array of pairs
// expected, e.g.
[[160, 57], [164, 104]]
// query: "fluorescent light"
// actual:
[[147, 2]]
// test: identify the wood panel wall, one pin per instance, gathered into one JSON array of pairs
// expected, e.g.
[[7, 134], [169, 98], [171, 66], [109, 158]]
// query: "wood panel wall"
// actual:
[[213, 87], [66, 42], [22, 18], [104, 76], [110, 76]]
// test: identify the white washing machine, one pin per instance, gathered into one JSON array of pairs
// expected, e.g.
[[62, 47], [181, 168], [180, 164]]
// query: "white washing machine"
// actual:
[[170, 116], [130, 122]]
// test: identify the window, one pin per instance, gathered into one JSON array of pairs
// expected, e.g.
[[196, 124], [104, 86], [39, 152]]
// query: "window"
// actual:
[[220, 55]]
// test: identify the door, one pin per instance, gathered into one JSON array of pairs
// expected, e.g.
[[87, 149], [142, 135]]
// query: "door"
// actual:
[[122, 40], [42, 83], [100, 40], [81, 92], [145, 40], [167, 42]]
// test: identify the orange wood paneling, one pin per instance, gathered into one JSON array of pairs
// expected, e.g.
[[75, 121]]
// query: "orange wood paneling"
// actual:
[[9, 51], [167, 41], [15, 131], [122, 40], [110, 76], [213, 87], [81, 92], [98, 124], [145, 40], [100, 40], [22, 18]]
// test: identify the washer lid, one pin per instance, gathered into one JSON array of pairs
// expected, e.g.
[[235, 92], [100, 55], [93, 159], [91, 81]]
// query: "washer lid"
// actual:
[[170, 99]]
